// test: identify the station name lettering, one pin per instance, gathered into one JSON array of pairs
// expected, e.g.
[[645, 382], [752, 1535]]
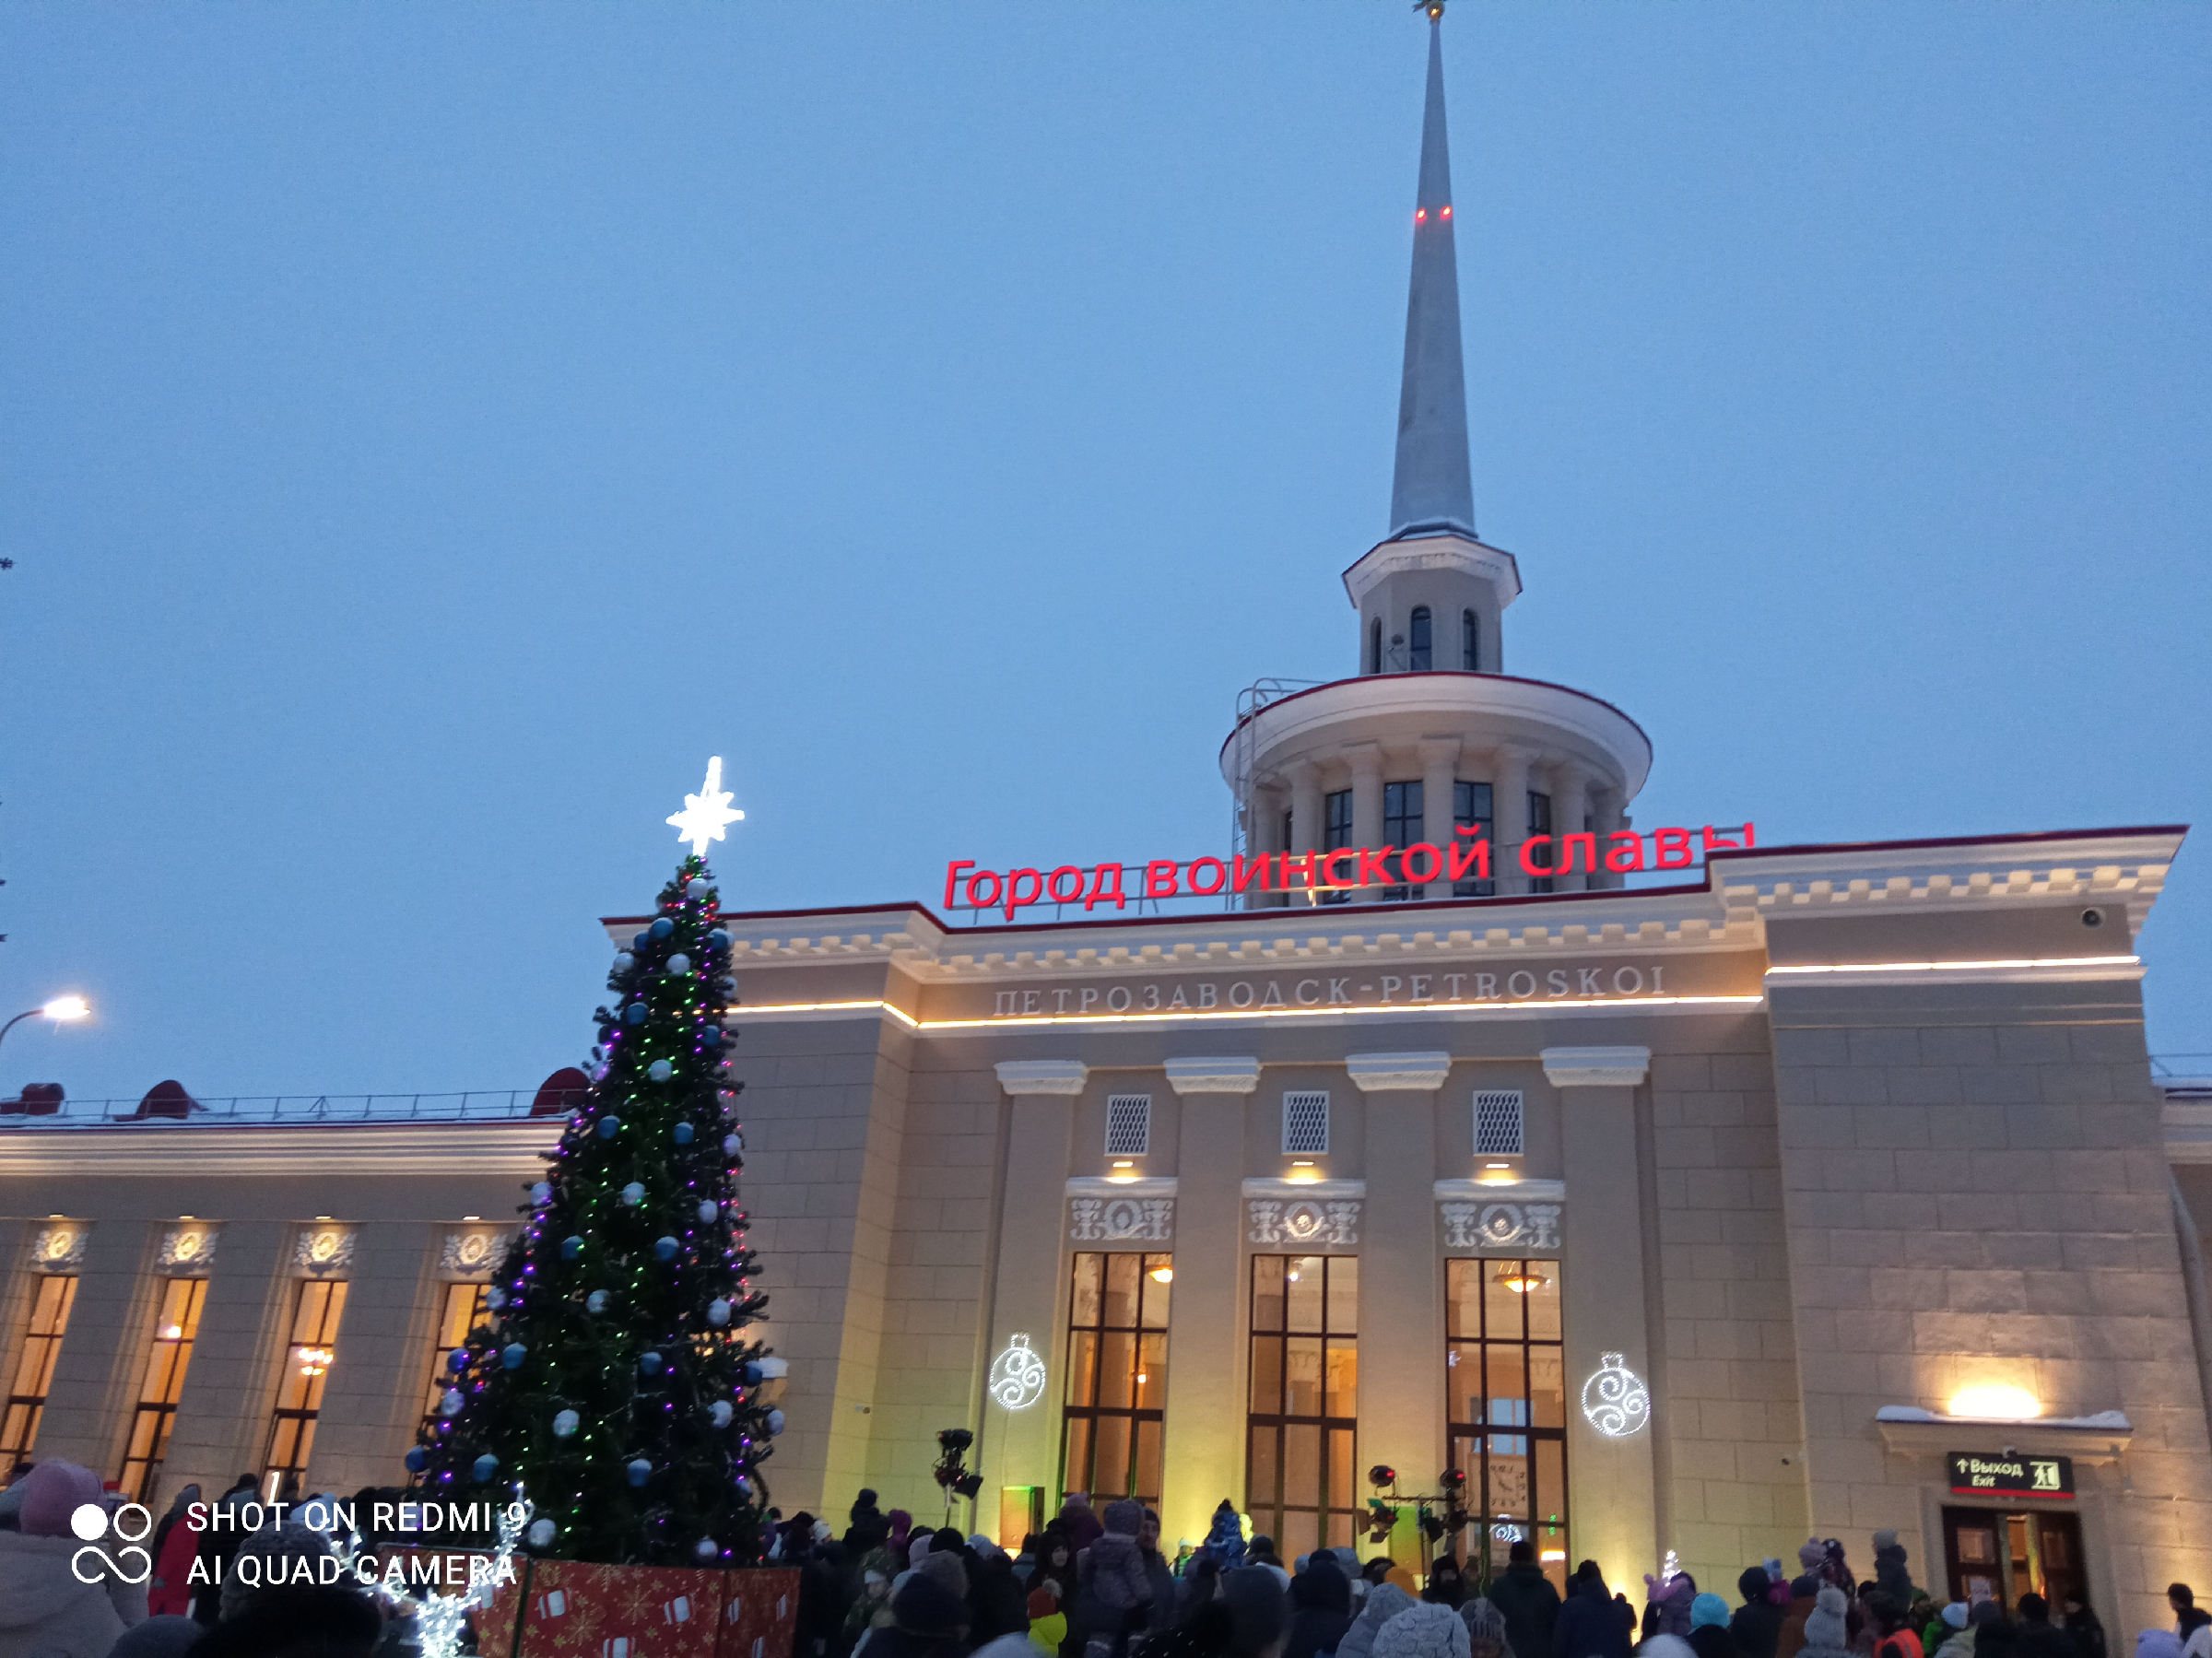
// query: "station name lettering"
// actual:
[[1348, 869], [1412, 989]]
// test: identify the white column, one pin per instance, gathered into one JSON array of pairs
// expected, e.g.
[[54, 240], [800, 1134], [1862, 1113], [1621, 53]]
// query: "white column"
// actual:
[[1509, 806], [1365, 760], [1439, 770], [1305, 805], [1570, 804]]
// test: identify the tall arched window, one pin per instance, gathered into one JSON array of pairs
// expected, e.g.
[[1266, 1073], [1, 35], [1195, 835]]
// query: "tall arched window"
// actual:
[[1417, 652], [1470, 655], [1374, 646]]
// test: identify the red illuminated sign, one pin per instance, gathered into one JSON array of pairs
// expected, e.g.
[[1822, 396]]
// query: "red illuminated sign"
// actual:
[[1348, 869]]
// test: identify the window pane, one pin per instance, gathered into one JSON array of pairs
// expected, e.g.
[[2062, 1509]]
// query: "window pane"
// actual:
[[1340, 1466], [1303, 1293], [1091, 1271], [1109, 1463], [1301, 1466], [1462, 1297], [1501, 1316], [1344, 1295], [1157, 1288], [1152, 1372], [1547, 1387], [1551, 1493], [1266, 1292], [1117, 1369], [1342, 1378], [1509, 1386], [1299, 1534], [1121, 1292], [1543, 1302], [1263, 1469], [1148, 1461], [1082, 1368], [1302, 1374], [1078, 1453]]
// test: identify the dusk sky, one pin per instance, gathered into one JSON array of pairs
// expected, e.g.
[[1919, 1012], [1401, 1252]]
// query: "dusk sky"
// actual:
[[430, 433]]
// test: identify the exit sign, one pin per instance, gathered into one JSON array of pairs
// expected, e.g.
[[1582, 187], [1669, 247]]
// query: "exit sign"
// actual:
[[1975, 1475]]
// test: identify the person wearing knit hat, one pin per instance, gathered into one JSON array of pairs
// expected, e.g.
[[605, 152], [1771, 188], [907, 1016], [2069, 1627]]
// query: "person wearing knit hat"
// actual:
[[270, 1561], [1259, 1611], [1423, 1630], [1487, 1635], [1385, 1603], [928, 1620], [44, 1606], [1048, 1624], [1825, 1633], [1709, 1633], [169, 1636], [942, 1566]]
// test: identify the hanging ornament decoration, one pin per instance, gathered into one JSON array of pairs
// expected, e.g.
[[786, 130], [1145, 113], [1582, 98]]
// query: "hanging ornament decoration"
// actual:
[[666, 1248], [571, 1248], [718, 1312], [540, 1533], [541, 1195], [660, 1070], [732, 1145], [696, 888], [1017, 1375], [1614, 1398], [513, 1355], [564, 1424], [775, 1421], [682, 1133], [487, 1466], [708, 1210], [495, 1298], [450, 1402], [624, 962], [679, 963], [634, 1193], [706, 1549], [639, 1471], [595, 1302], [722, 1413], [609, 1126], [649, 1363]]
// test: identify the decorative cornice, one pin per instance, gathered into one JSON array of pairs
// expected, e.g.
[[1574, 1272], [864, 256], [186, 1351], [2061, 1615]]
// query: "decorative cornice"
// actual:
[[1214, 1075], [1597, 1067], [1260, 1186], [197, 1149], [1403, 1073], [1444, 551], [1096, 1185], [1022, 1078], [2098, 1439], [1509, 1192]]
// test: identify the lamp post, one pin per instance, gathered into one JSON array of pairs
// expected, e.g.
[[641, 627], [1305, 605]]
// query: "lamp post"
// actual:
[[63, 1010]]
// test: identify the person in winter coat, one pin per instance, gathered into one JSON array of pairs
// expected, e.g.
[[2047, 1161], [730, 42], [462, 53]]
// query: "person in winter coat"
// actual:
[[1077, 1519], [1758, 1621], [1446, 1586], [2082, 1624], [1709, 1636], [1589, 1626], [46, 1611], [176, 1541], [1423, 1631], [1113, 1595], [1048, 1624], [1158, 1572], [1804, 1589], [1528, 1599], [995, 1603], [1056, 1566], [1385, 1602], [1671, 1601], [1225, 1538], [871, 1609], [928, 1620], [1824, 1626], [1994, 1634], [901, 1534], [1889, 1574], [1487, 1635], [219, 1543], [2039, 1636], [1320, 1608], [869, 1527]]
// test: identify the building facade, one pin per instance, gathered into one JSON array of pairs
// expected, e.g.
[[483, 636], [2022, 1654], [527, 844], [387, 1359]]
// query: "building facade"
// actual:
[[1825, 1189]]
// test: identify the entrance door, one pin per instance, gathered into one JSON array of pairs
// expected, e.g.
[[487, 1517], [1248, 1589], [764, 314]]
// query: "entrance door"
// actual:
[[1990, 1554]]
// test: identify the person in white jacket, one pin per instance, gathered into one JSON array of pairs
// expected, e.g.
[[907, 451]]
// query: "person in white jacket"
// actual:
[[47, 1609]]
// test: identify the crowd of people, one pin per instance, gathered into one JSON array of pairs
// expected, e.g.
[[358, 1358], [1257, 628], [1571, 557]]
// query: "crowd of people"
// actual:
[[1096, 1584]]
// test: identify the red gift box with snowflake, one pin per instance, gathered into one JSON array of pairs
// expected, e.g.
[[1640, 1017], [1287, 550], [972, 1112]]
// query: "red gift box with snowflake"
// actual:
[[568, 1609]]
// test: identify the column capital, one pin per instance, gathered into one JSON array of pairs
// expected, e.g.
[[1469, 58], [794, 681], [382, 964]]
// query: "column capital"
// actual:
[[1403, 1073], [1438, 752], [1236, 1076], [1595, 1067], [1365, 759], [1020, 1076]]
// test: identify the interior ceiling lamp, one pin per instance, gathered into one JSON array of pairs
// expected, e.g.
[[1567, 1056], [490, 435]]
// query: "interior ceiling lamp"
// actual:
[[1163, 1274], [1996, 1402], [1520, 1278]]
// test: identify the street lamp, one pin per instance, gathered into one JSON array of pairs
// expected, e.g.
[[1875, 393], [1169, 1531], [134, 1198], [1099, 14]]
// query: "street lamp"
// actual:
[[62, 1010]]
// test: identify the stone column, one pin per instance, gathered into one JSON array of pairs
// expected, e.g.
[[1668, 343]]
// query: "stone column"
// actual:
[[1305, 805], [1612, 1486], [1206, 1326], [1605, 804], [1401, 1297], [374, 1391], [1570, 805], [1509, 807], [96, 1374], [1365, 760], [1020, 1446], [1439, 770]]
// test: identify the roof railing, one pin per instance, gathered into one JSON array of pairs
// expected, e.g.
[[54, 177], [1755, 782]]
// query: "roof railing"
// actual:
[[39, 1107]]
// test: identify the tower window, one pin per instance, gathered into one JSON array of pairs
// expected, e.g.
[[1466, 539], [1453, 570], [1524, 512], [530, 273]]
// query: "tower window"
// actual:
[[1336, 833], [1374, 646], [1471, 809], [1401, 822], [1470, 642], [1539, 823], [1417, 652]]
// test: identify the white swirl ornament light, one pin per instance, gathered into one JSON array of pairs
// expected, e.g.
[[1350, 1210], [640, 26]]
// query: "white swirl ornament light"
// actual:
[[1017, 1375], [1614, 1398]]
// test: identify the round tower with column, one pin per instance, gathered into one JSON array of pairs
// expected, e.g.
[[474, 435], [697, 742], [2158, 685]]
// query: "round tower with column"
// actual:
[[1431, 736]]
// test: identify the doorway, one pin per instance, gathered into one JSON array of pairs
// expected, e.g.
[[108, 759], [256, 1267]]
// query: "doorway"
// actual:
[[2000, 1554]]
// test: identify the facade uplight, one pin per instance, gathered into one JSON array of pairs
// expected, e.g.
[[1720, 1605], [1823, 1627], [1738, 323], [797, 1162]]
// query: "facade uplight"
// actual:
[[1996, 1402]]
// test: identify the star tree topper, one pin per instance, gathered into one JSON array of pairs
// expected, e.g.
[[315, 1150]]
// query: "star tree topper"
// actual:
[[705, 813]]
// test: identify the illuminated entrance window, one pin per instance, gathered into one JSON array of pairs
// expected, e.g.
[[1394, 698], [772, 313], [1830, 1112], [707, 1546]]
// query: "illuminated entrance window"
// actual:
[[1301, 1466], [461, 1311], [1506, 1395], [305, 1368], [42, 1345], [168, 1356], [1117, 1376], [1471, 809]]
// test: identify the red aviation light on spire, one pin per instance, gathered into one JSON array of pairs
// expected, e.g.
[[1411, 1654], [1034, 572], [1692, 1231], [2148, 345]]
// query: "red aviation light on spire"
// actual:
[[1444, 211], [1420, 214]]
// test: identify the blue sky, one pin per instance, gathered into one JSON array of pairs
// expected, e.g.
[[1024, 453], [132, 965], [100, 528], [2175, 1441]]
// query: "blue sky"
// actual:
[[427, 433]]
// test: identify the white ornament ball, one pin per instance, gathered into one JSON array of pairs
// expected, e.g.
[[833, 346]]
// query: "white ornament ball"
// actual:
[[495, 1299], [449, 1403], [722, 1413], [595, 1302], [679, 963], [732, 1145], [698, 887], [634, 1193], [775, 1421], [565, 1424], [541, 1533], [718, 1312], [709, 1209], [541, 1193], [660, 1070], [706, 1549], [624, 962]]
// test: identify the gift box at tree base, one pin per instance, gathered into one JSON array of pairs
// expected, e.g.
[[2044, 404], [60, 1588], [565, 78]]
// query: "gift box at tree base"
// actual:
[[569, 1608]]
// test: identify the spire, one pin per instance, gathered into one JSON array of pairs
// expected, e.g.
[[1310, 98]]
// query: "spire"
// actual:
[[1432, 487]]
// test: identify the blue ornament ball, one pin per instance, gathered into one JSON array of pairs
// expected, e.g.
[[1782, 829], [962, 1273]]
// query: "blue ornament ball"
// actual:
[[635, 1013], [684, 1132], [609, 1126], [624, 962], [649, 1363], [711, 1036], [722, 1413], [638, 942], [571, 1248], [634, 1193], [775, 1421], [565, 1423], [513, 1355], [487, 1466], [732, 1145], [541, 1533], [458, 1358], [708, 1211], [660, 1070], [665, 1248], [662, 928], [640, 1472], [679, 963], [698, 887], [418, 1460], [752, 1373], [595, 1302]]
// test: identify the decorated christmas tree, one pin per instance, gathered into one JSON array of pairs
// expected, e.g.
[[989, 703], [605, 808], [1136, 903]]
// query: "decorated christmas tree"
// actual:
[[615, 1387]]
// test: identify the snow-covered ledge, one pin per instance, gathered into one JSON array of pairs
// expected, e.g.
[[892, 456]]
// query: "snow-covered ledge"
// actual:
[[2103, 1438], [1020, 1076], [1597, 1067], [1235, 1076], [1407, 1073]]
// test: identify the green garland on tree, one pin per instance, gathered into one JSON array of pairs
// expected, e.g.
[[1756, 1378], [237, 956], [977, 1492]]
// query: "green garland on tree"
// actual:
[[615, 1385]]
